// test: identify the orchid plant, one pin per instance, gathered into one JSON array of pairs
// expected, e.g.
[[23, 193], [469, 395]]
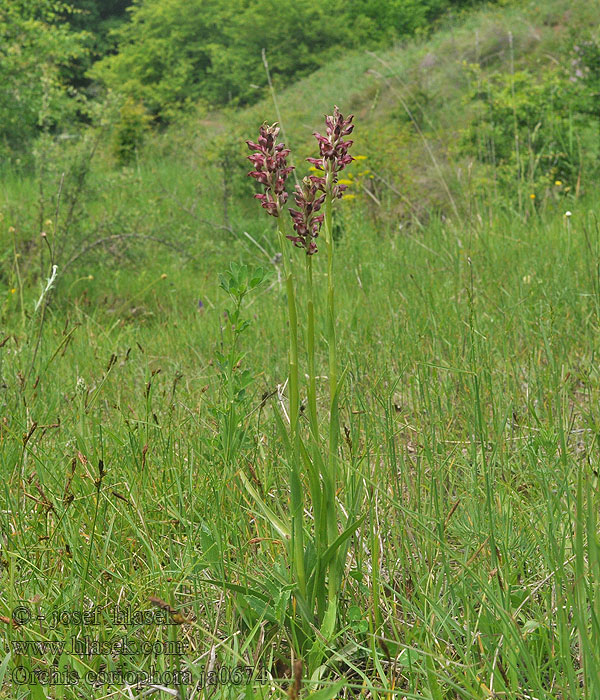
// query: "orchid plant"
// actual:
[[317, 544]]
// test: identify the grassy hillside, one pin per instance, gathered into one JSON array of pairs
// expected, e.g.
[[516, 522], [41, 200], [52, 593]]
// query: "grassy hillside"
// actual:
[[468, 311], [426, 113]]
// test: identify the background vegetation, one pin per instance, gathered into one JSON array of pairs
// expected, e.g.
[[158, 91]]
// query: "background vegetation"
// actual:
[[167, 55], [468, 258]]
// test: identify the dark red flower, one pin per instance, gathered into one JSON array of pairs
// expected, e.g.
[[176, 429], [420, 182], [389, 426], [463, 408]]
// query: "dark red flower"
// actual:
[[334, 152], [305, 220], [271, 168]]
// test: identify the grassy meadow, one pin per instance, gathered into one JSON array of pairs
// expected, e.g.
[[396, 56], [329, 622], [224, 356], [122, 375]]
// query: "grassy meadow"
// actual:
[[143, 456]]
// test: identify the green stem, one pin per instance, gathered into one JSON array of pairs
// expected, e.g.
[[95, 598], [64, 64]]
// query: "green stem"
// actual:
[[293, 335], [318, 493], [330, 298], [310, 344], [297, 501], [230, 420], [330, 483]]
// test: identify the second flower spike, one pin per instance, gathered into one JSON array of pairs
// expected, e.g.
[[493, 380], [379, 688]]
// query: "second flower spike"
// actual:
[[271, 168], [306, 221]]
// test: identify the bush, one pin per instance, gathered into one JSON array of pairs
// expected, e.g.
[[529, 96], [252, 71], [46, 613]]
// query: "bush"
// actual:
[[35, 49], [176, 52], [535, 130], [130, 130]]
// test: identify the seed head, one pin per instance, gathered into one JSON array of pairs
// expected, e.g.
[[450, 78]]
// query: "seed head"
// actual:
[[271, 169]]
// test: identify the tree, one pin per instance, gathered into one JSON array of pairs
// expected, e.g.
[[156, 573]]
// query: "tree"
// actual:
[[100, 19], [35, 47], [177, 51]]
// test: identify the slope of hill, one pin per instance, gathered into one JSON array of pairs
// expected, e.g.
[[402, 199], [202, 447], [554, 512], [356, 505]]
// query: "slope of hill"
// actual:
[[487, 112]]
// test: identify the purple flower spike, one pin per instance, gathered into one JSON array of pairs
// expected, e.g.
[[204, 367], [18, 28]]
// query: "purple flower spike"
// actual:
[[271, 168], [334, 152], [306, 221]]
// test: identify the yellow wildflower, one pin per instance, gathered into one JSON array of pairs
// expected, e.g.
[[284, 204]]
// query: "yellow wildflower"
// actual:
[[558, 183], [532, 196], [345, 182], [349, 196]]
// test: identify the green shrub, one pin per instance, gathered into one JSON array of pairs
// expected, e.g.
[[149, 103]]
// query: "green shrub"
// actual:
[[173, 53], [134, 122], [35, 47], [535, 130]]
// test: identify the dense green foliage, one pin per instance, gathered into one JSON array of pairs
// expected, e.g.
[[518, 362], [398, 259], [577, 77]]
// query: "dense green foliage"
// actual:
[[168, 54], [35, 49], [174, 52], [100, 19], [534, 131]]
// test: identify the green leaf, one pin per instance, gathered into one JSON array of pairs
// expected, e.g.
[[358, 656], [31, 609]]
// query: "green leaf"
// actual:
[[237, 588], [210, 548], [3, 667], [262, 608], [328, 625], [37, 692], [531, 626], [328, 693], [339, 541], [258, 277], [283, 529], [354, 613]]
